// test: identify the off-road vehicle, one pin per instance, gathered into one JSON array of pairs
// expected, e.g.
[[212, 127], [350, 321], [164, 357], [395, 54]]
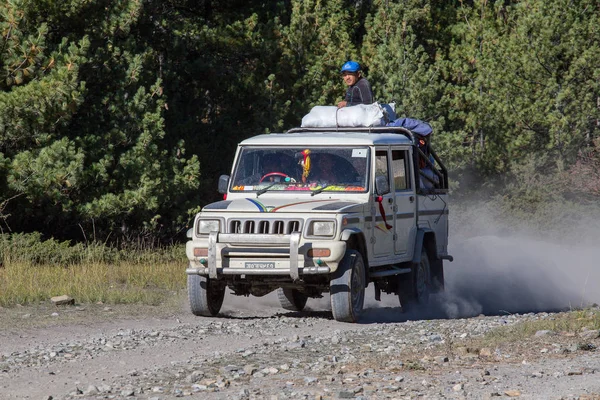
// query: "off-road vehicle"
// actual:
[[317, 210]]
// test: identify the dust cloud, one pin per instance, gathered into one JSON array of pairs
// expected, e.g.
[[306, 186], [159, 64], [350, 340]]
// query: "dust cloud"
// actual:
[[493, 274], [518, 274]]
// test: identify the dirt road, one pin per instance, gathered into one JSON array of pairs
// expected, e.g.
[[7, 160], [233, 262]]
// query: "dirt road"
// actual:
[[256, 350]]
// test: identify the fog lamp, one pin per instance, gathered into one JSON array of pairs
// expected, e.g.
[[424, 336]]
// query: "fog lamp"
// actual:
[[200, 252], [319, 252]]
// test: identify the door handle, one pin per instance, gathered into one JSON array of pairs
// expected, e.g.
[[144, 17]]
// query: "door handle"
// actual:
[[390, 200], [412, 199]]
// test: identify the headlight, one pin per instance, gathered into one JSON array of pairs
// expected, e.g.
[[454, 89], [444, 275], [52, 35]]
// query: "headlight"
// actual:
[[206, 226], [322, 228]]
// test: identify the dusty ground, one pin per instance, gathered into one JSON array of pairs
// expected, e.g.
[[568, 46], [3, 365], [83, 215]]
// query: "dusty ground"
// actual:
[[259, 351], [256, 350]]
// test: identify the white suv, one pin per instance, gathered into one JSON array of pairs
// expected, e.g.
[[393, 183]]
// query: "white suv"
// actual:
[[318, 210]]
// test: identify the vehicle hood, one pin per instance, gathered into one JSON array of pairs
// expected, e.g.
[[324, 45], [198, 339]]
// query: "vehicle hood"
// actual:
[[283, 206]]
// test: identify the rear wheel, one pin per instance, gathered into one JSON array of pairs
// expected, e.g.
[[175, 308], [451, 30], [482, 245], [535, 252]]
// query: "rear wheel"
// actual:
[[347, 288], [292, 299], [422, 279], [415, 288], [205, 295]]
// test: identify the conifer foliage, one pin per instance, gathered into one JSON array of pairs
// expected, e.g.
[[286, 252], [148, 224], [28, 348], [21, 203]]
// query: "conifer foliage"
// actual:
[[116, 117]]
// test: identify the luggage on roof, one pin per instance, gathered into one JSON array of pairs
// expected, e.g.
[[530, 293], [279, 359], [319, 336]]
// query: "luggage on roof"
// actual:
[[414, 125], [361, 115]]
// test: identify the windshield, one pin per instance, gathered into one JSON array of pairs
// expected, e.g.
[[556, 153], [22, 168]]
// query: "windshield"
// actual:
[[336, 169]]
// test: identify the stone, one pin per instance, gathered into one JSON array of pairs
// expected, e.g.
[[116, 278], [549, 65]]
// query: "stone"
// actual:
[[194, 377], [590, 334], [250, 369], [486, 352], [512, 393], [62, 300], [91, 389]]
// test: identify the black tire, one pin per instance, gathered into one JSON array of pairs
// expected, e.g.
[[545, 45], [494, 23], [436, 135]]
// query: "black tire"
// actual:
[[292, 299], [422, 279], [405, 291], [347, 288], [416, 287], [437, 278], [205, 295]]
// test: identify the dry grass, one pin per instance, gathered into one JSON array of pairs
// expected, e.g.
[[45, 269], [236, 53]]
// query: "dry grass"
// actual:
[[124, 282], [562, 323]]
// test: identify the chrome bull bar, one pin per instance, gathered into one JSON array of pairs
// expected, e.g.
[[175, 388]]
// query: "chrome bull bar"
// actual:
[[292, 241]]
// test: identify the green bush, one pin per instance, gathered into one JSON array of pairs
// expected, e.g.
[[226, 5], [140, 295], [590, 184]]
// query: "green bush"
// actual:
[[32, 249]]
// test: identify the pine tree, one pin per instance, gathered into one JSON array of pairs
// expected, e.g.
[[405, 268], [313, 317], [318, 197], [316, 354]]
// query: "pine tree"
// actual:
[[522, 80], [316, 43], [400, 68], [83, 129]]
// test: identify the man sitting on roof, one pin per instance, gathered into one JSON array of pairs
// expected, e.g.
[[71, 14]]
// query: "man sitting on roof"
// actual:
[[359, 89]]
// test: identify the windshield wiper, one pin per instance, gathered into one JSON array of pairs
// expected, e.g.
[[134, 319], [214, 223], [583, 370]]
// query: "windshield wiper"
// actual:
[[319, 190], [266, 189]]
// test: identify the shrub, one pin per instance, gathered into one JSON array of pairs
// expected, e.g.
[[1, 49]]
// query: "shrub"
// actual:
[[30, 248]]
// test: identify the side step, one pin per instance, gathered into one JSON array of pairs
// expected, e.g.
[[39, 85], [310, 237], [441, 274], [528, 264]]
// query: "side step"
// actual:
[[389, 272]]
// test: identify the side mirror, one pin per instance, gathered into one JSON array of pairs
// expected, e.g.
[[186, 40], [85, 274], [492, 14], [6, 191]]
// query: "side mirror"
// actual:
[[189, 233], [382, 185], [223, 183]]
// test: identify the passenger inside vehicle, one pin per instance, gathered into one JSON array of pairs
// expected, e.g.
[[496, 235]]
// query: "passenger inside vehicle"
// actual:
[[332, 169]]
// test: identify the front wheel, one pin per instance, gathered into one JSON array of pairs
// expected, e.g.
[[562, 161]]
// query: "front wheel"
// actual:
[[292, 299], [205, 295], [347, 288]]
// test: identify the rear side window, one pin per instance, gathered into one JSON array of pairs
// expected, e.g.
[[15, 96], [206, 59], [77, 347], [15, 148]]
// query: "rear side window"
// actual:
[[399, 169]]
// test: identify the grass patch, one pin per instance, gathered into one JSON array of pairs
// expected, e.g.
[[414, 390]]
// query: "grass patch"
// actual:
[[566, 322], [30, 248], [119, 283], [33, 270]]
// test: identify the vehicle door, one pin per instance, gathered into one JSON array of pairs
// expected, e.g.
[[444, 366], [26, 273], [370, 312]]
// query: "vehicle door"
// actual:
[[405, 200], [382, 210]]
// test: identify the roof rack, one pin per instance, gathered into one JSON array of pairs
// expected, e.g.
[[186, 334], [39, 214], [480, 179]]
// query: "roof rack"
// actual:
[[367, 129]]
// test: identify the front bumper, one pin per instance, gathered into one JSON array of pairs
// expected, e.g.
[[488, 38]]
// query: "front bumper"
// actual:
[[242, 254]]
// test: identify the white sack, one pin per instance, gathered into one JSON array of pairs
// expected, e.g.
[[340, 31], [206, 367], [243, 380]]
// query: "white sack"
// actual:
[[352, 116], [389, 111], [319, 117]]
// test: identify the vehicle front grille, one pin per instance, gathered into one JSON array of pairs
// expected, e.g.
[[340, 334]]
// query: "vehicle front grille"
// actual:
[[265, 226]]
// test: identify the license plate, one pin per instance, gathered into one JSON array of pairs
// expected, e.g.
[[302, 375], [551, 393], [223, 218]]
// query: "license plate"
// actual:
[[259, 265]]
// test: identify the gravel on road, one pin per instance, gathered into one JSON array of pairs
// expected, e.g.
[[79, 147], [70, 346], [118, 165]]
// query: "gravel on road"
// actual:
[[269, 354]]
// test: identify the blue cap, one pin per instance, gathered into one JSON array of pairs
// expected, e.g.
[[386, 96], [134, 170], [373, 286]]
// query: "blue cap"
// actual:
[[350, 66]]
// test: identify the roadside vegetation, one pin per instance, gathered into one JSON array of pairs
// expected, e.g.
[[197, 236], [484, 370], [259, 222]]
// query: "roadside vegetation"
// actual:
[[34, 270], [573, 322], [570, 331]]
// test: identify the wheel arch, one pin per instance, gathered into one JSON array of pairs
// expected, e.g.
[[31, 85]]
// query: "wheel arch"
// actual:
[[355, 240]]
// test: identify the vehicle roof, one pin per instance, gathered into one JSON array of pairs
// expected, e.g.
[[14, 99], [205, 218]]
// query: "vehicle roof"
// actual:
[[339, 136]]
